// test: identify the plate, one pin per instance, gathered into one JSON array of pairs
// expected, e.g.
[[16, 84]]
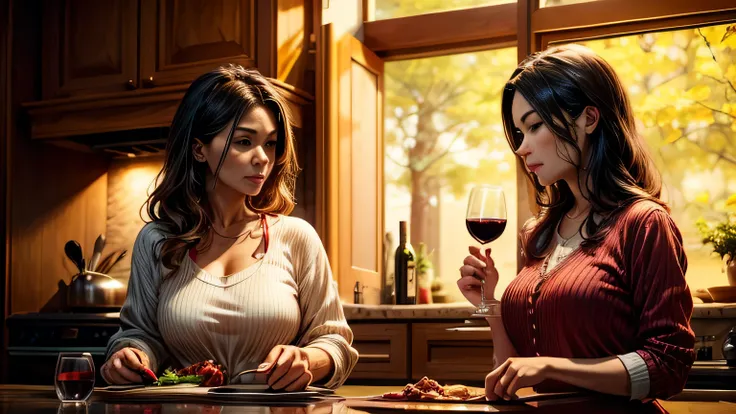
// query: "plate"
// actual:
[[247, 395], [480, 399]]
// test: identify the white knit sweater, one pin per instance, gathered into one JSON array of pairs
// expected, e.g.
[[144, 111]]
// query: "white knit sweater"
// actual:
[[286, 298]]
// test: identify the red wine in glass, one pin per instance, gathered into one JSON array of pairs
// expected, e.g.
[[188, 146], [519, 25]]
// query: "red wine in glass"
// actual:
[[485, 230], [485, 221], [75, 377]]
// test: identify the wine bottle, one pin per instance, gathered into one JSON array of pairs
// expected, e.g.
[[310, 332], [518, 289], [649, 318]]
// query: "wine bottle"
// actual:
[[405, 269]]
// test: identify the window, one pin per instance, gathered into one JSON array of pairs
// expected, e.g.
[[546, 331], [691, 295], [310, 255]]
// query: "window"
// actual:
[[683, 89], [388, 9], [443, 134]]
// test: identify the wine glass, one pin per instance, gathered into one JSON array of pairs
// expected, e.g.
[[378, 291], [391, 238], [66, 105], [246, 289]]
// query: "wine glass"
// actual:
[[486, 221], [75, 377]]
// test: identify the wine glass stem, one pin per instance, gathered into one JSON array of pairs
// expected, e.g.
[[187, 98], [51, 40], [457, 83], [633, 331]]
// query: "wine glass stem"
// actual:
[[482, 294]]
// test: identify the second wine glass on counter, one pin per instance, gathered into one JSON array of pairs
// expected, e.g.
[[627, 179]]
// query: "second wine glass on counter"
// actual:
[[485, 221]]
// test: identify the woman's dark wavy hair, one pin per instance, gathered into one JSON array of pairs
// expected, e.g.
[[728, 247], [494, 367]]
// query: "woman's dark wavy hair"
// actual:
[[565, 80], [213, 102]]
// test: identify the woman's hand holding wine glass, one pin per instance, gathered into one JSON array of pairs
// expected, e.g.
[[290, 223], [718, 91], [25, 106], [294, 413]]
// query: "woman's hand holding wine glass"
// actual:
[[478, 270], [485, 221]]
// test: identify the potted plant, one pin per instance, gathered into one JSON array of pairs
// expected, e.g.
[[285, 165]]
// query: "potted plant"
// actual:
[[425, 274], [723, 238]]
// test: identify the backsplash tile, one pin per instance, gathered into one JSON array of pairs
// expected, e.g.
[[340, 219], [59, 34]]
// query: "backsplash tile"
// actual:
[[130, 181]]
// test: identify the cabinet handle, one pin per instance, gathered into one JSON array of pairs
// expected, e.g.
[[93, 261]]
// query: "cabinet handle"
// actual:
[[130, 84], [148, 82]]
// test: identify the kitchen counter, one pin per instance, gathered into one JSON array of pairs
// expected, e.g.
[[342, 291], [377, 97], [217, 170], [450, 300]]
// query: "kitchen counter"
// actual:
[[455, 310], [714, 310], [25, 399], [460, 310]]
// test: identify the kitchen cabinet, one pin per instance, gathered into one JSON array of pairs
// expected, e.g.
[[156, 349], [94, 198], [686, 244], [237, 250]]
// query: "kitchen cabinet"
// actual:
[[122, 65], [451, 355], [93, 47], [407, 351], [181, 39], [89, 46], [383, 349]]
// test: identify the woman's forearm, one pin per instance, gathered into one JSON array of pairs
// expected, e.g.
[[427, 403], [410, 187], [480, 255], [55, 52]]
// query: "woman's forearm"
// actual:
[[320, 363], [503, 349], [606, 375]]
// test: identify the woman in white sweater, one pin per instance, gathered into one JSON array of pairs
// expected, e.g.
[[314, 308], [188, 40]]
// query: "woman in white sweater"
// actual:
[[221, 272]]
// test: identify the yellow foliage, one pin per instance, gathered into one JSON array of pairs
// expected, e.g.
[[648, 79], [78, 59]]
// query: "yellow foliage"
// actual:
[[699, 92], [673, 135], [709, 67], [666, 116], [729, 42], [729, 109], [703, 197], [731, 71], [731, 201], [728, 38]]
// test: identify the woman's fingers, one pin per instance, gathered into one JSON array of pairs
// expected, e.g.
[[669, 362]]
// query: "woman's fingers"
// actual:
[[489, 260], [130, 359], [475, 251], [474, 262], [295, 374], [282, 367], [125, 372], [492, 381], [514, 386], [113, 377], [301, 383], [483, 257], [505, 380], [471, 271], [142, 357]]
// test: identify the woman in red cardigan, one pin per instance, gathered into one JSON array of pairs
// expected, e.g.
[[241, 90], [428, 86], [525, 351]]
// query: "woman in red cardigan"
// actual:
[[601, 302]]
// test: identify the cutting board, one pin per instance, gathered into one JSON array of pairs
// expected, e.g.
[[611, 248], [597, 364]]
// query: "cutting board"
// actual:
[[193, 392]]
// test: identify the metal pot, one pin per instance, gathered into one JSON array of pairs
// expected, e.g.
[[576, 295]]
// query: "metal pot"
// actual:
[[94, 292], [729, 348]]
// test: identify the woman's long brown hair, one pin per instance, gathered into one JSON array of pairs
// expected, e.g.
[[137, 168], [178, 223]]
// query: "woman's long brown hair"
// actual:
[[213, 102], [563, 81]]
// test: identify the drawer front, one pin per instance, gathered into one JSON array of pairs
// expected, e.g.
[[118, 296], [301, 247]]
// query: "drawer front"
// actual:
[[450, 355], [383, 351]]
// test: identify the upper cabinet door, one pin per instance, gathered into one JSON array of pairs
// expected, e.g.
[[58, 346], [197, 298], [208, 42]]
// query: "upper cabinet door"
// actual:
[[182, 39], [354, 166], [89, 46]]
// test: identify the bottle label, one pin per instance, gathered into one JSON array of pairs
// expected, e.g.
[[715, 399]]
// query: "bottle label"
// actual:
[[411, 280]]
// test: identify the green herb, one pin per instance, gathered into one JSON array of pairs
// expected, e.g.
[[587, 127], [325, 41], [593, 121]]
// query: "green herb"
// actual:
[[722, 237], [170, 378]]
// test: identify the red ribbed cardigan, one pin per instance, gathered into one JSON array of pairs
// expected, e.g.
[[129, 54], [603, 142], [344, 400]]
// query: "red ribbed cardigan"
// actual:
[[626, 294]]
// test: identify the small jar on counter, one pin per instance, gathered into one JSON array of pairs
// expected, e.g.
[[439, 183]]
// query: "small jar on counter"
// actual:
[[357, 294], [704, 347]]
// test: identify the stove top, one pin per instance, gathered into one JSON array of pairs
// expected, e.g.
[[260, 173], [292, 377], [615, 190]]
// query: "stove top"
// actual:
[[65, 316]]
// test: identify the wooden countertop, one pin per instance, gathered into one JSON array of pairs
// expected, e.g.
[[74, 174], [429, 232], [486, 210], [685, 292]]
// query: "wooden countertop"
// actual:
[[455, 310], [459, 310], [463, 310], [20, 399]]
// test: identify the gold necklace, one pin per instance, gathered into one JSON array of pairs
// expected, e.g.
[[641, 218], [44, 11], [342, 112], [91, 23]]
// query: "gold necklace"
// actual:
[[577, 216]]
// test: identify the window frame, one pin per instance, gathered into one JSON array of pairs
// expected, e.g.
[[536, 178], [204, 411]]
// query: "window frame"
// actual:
[[532, 29]]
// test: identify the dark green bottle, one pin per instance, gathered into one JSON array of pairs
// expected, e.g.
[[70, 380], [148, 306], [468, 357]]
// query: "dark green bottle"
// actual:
[[405, 274]]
